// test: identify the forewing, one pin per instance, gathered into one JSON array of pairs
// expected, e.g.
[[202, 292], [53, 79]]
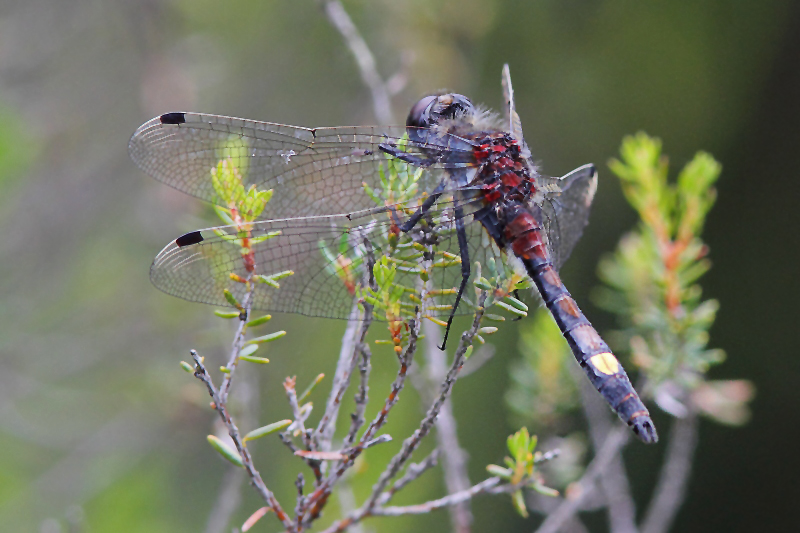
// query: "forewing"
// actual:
[[313, 171], [566, 213]]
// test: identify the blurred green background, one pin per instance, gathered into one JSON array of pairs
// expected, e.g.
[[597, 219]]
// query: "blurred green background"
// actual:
[[98, 424]]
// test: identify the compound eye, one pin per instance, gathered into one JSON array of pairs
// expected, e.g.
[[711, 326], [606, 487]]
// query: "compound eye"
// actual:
[[420, 115]]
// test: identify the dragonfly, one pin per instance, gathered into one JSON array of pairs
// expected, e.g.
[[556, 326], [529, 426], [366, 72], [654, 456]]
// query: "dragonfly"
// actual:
[[455, 186]]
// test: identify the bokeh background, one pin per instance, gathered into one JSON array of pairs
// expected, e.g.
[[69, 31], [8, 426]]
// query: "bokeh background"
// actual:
[[98, 424]]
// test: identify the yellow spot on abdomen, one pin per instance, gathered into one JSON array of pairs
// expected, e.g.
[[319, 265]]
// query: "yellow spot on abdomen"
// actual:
[[605, 362]]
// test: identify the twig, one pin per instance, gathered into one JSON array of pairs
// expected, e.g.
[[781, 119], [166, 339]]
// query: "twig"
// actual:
[[255, 477], [412, 442], [488, 486], [299, 483], [406, 359], [238, 342], [348, 356], [357, 418], [318, 499], [613, 445], [479, 357], [381, 102], [614, 480], [413, 472], [229, 497], [323, 435], [299, 415], [298, 426], [454, 461], [671, 488]]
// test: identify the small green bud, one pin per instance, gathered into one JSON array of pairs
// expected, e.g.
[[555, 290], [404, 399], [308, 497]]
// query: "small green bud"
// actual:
[[226, 314], [258, 321], [252, 359], [499, 471], [248, 350], [266, 430], [225, 451], [510, 308], [310, 388], [267, 338], [232, 299]]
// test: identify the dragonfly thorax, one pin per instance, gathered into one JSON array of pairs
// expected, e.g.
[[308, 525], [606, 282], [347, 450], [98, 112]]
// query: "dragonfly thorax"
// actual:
[[504, 177]]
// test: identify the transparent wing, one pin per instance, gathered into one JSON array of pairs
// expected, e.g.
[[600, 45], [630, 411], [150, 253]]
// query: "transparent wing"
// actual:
[[566, 209], [327, 256], [512, 118], [513, 121], [314, 171]]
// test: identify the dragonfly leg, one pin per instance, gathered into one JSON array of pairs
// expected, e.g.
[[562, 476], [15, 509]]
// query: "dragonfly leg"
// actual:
[[411, 159], [516, 295], [465, 269], [421, 210]]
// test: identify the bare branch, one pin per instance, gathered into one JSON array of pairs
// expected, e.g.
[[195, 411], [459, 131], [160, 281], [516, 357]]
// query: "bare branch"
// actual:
[[238, 342], [229, 496], [411, 443], [611, 447], [381, 102], [671, 488], [413, 472], [351, 347], [255, 477], [357, 418], [348, 357], [479, 357], [319, 498], [488, 486], [454, 461]]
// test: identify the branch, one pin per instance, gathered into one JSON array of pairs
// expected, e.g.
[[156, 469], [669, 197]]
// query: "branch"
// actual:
[[613, 445], [412, 442], [488, 486], [229, 497], [318, 499], [357, 418], [323, 435], [348, 356], [413, 472], [381, 102], [238, 342], [378, 495], [671, 488], [255, 477], [455, 458]]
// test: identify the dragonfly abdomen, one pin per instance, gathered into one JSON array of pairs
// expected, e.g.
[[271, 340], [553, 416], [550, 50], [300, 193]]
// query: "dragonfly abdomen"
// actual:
[[524, 236]]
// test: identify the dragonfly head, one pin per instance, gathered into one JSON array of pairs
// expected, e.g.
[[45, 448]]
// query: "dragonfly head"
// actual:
[[432, 109]]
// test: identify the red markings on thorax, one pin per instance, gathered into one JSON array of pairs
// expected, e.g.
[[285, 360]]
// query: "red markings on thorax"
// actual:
[[503, 174]]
